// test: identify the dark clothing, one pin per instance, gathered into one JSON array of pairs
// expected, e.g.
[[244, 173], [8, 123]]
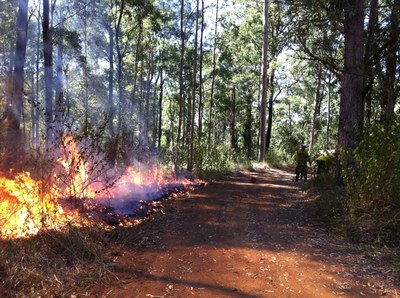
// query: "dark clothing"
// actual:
[[301, 164]]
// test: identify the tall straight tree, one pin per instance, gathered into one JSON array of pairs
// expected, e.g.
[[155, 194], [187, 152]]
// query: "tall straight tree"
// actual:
[[58, 117], [48, 69], [264, 82], [194, 87], [213, 74], [351, 115], [181, 67], [14, 112], [200, 112]]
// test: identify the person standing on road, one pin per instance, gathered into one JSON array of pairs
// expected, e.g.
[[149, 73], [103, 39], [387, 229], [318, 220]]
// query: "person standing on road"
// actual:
[[301, 163]]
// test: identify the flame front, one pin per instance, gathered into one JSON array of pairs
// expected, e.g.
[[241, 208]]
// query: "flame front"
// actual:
[[24, 208], [27, 206], [75, 179]]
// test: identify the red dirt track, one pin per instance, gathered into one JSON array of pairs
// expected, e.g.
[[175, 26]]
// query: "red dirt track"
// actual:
[[253, 234]]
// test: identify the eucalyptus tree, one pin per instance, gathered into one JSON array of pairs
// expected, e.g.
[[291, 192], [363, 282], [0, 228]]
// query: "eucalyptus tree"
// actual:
[[14, 110], [48, 69], [264, 82], [213, 75]]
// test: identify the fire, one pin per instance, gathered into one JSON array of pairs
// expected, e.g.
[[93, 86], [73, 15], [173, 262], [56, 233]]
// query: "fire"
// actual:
[[76, 181], [24, 208], [27, 206]]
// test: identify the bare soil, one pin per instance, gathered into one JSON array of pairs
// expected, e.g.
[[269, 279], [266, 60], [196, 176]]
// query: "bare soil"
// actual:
[[253, 234]]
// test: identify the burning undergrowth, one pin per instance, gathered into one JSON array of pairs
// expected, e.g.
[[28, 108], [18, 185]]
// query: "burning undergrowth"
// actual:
[[82, 188]]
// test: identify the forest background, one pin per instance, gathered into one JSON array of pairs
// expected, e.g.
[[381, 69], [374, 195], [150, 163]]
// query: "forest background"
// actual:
[[202, 86]]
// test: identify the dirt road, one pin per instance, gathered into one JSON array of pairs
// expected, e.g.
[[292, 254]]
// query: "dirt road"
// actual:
[[251, 235]]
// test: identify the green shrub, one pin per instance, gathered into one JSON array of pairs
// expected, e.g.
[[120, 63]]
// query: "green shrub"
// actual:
[[373, 185]]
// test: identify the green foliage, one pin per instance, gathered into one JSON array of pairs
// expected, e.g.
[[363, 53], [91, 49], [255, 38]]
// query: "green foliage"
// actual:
[[277, 158], [373, 185], [331, 204]]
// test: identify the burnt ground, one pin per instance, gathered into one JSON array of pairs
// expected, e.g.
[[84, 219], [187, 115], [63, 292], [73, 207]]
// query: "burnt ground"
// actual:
[[253, 234]]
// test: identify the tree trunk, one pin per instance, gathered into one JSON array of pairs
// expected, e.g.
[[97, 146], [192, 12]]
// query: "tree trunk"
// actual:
[[200, 117], [317, 111], [234, 144], [14, 140], [150, 74], [59, 107], [136, 69], [194, 88], [211, 107], [48, 71], [160, 108], [351, 115], [270, 110], [181, 64], [390, 90], [368, 79], [264, 94], [248, 138], [37, 104], [121, 99], [110, 110]]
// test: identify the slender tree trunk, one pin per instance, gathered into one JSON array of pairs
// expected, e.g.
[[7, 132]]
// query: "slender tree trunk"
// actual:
[[150, 74], [136, 68], [351, 118], [37, 103], [270, 110], [86, 72], [194, 88], [110, 113], [264, 94], [211, 107], [121, 99], [200, 117], [160, 108], [181, 66], [368, 79], [155, 113], [317, 111], [248, 137], [14, 142], [391, 92], [234, 144], [48, 71], [328, 120], [59, 107], [33, 110]]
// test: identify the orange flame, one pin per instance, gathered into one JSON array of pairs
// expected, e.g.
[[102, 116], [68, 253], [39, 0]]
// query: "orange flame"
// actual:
[[76, 178], [24, 208]]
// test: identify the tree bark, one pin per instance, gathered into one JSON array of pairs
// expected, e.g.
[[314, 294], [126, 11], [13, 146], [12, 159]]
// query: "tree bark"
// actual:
[[48, 71], [181, 64], [234, 144], [13, 137], [59, 106], [368, 79], [270, 110], [160, 108], [264, 93], [200, 119], [390, 90], [317, 111], [194, 88], [351, 115], [110, 110], [213, 74], [37, 104]]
